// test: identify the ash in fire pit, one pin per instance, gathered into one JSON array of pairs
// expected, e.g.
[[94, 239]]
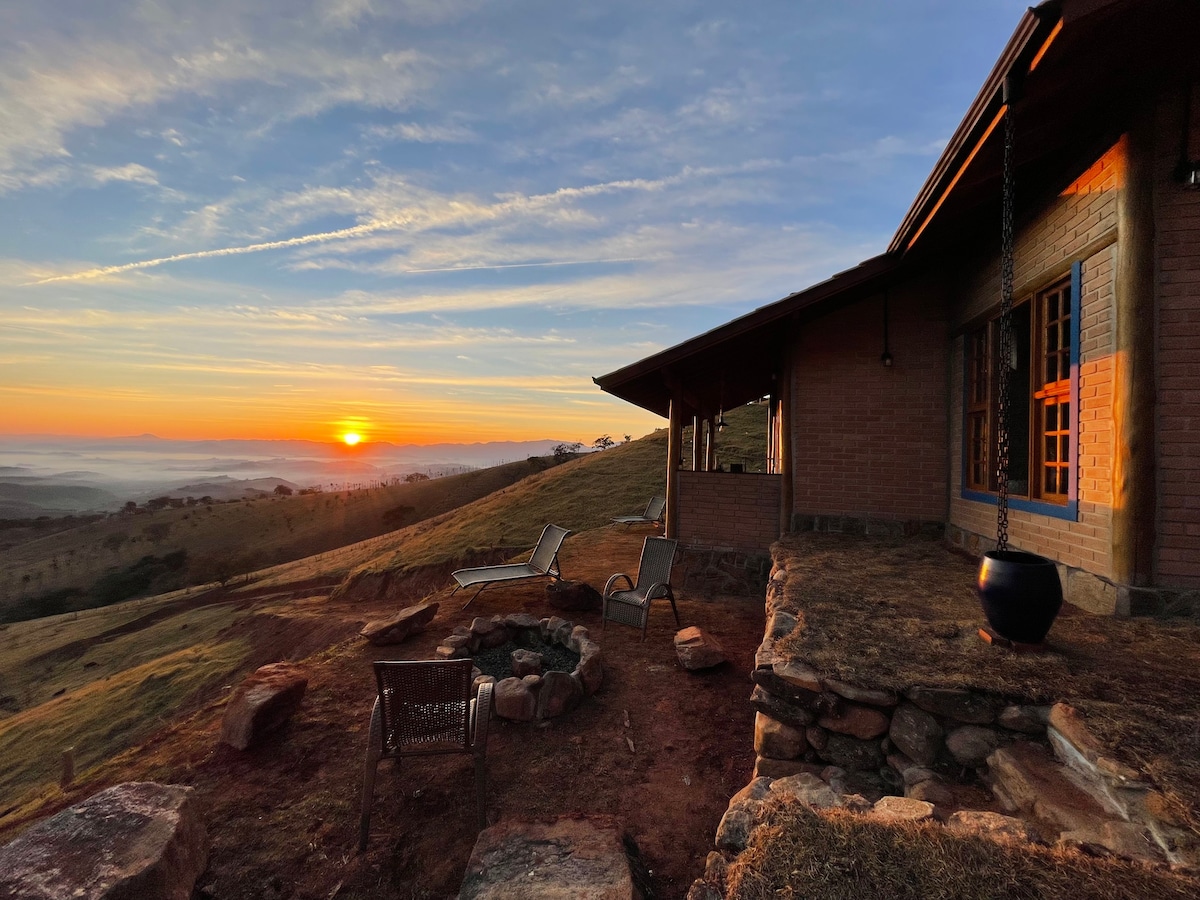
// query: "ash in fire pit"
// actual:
[[541, 668]]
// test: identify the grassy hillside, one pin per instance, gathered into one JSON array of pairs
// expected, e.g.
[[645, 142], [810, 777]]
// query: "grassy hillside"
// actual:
[[102, 680], [231, 538]]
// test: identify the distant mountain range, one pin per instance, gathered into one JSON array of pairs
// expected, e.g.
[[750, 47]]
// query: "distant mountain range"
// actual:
[[57, 475]]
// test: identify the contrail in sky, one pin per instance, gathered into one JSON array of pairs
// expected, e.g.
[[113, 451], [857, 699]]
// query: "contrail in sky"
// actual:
[[395, 222]]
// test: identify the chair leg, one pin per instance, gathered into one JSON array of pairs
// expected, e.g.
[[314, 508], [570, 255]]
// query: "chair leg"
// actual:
[[481, 790], [671, 597], [374, 752]]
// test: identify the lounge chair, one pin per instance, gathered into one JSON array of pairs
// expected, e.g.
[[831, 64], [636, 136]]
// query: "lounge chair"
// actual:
[[632, 606], [424, 707], [542, 563], [652, 516]]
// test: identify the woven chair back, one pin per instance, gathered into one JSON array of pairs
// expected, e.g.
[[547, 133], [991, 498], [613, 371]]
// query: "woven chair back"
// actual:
[[425, 706], [658, 553], [547, 547]]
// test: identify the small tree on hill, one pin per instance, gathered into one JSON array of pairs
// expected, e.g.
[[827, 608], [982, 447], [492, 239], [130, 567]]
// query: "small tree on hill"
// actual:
[[603, 442], [563, 452], [282, 490]]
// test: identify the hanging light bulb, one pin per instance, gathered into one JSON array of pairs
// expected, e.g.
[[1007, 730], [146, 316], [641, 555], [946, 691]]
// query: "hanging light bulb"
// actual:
[[720, 420]]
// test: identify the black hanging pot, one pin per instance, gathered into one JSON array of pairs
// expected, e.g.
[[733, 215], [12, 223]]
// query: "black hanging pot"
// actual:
[[1020, 593]]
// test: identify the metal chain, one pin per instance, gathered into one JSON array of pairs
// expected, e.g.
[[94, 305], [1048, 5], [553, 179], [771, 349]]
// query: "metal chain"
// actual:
[[1004, 368]]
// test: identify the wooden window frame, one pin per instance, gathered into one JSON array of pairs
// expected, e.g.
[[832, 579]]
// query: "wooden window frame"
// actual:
[[1052, 454]]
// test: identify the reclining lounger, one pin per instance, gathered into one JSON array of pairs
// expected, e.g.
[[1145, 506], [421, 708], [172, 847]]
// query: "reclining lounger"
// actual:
[[542, 563]]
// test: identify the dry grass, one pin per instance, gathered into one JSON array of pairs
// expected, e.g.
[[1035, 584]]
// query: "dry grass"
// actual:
[[897, 613], [837, 855]]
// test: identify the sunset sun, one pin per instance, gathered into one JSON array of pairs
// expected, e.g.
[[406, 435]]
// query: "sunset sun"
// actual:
[[350, 438]]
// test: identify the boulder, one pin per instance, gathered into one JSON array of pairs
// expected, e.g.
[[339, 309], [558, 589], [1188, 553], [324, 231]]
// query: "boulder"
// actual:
[[407, 622], [263, 702], [590, 668], [1026, 719], [857, 721], [858, 694], [697, 649], [138, 839], [572, 596], [512, 699], [779, 709], [808, 789], [916, 733], [490, 632], [559, 693], [989, 824], [526, 662], [952, 703], [575, 858], [971, 745], [852, 753], [776, 740], [902, 809]]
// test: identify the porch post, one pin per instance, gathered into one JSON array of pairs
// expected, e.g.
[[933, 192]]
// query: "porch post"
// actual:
[[710, 446], [1134, 498], [696, 443], [674, 449], [783, 424]]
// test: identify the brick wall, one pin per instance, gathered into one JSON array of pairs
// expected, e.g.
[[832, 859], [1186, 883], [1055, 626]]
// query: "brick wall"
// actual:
[[1178, 360], [720, 509], [1083, 216], [870, 441]]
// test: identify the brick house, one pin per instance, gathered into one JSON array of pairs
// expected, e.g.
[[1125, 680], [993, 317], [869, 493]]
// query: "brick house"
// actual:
[[881, 381]]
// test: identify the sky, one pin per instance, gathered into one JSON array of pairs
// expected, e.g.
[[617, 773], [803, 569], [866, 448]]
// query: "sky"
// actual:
[[436, 220]]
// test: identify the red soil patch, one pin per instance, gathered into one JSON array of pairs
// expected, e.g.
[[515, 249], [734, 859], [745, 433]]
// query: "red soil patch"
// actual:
[[283, 818]]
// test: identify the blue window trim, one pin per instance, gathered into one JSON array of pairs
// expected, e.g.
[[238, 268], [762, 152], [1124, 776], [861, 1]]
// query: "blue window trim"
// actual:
[[1069, 510]]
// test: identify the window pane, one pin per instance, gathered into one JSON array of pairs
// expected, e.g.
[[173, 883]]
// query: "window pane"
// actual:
[[1065, 416], [1051, 450], [1062, 481], [1050, 481]]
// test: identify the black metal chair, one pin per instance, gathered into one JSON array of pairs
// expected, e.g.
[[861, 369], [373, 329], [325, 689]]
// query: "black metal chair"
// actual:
[[632, 606], [424, 707]]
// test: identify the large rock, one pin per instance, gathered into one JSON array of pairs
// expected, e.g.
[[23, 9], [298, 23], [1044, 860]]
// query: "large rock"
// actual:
[[856, 721], [776, 740], [408, 621], [971, 745], [852, 753], [591, 667], [137, 840], [697, 649], [513, 700], [558, 694], [953, 703], [526, 662], [780, 709], [902, 809], [916, 733], [567, 859], [263, 702], [808, 789], [572, 596]]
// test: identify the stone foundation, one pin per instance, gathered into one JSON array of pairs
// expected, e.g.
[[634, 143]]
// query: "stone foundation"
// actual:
[[934, 753]]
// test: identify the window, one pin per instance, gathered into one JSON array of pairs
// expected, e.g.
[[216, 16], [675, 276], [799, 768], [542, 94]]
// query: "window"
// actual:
[[1044, 390]]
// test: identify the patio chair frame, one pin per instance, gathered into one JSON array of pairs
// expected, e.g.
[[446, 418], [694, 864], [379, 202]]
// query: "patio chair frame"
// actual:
[[652, 516], [543, 563], [424, 708], [632, 606]]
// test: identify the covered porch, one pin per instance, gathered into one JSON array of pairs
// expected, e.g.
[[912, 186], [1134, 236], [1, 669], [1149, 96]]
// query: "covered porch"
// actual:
[[717, 499]]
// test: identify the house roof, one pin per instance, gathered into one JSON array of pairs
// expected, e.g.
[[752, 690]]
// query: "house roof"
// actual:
[[1079, 69]]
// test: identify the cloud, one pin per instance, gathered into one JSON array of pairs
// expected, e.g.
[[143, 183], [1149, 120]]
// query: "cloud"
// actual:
[[131, 172], [423, 134]]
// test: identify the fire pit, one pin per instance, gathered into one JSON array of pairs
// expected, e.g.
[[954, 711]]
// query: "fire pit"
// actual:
[[541, 668]]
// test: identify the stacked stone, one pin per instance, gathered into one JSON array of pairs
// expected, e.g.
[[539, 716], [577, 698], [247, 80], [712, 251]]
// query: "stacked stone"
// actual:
[[886, 742], [534, 695]]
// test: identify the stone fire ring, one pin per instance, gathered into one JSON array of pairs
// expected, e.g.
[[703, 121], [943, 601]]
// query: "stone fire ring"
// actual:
[[535, 696]]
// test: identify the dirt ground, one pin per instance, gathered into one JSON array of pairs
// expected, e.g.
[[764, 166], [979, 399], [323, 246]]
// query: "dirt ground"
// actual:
[[283, 818]]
